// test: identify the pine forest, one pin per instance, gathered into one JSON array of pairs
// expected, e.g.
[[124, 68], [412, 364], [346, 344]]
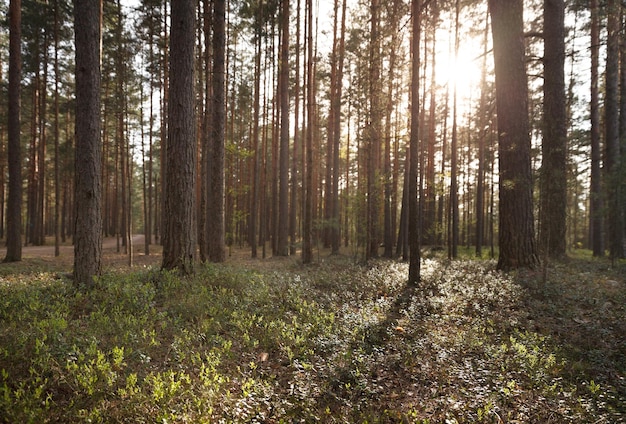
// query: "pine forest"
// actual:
[[313, 211]]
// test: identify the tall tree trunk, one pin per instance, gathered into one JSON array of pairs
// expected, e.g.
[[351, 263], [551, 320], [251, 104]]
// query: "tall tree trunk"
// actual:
[[179, 228], [596, 227], [453, 234], [283, 197], [414, 212], [441, 223], [120, 138], [336, 212], [216, 228], [40, 230], [293, 212], [483, 120], [57, 179], [307, 228], [611, 110], [88, 161], [387, 172], [254, 207], [329, 196], [373, 170], [429, 224], [14, 203], [165, 99], [553, 208], [516, 236]]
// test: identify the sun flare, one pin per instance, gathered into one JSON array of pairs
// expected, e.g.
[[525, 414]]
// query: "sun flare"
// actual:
[[462, 70]]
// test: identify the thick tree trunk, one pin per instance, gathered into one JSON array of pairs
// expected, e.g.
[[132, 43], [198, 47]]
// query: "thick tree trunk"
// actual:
[[179, 229], [216, 251], [613, 151], [553, 208], [516, 235], [374, 135], [14, 203], [88, 161], [413, 203]]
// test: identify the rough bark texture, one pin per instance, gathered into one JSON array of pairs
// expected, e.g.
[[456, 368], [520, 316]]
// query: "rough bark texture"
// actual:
[[414, 225], [554, 147], [596, 227], [516, 236], [179, 229], [611, 122], [216, 251], [283, 195], [14, 204], [373, 165], [88, 162]]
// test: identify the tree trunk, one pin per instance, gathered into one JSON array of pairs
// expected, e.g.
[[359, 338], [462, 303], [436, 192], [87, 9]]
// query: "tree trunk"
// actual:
[[429, 224], [414, 212], [293, 212], [179, 230], [283, 196], [553, 208], [596, 227], [483, 120], [88, 162], [453, 234], [329, 195], [14, 203], [254, 207], [57, 179], [373, 168], [516, 236], [388, 177], [216, 251], [307, 230], [611, 110]]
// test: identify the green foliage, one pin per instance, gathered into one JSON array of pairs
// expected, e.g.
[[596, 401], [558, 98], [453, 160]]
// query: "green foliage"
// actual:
[[335, 343]]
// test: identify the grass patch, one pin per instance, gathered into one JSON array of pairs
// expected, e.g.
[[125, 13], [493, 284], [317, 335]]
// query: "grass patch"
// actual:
[[337, 342]]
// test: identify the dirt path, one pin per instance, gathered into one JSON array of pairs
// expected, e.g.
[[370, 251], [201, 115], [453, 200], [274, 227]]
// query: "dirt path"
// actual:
[[108, 244], [110, 255]]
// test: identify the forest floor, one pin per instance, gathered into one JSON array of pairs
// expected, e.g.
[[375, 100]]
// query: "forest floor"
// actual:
[[271, 340]]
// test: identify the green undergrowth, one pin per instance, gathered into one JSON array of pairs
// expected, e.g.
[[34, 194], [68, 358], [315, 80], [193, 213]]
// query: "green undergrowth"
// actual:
[[335, 342]]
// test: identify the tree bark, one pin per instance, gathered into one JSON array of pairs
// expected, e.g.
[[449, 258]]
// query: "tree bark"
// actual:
[[374, 135], [414, 212], [553, 208], [179, 229], [283, 196], [516, 235], [88, 161], [14, 203], [612, 136], [57, 178], [216, 251], [596, 227], [307, 227], [483, 120]]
